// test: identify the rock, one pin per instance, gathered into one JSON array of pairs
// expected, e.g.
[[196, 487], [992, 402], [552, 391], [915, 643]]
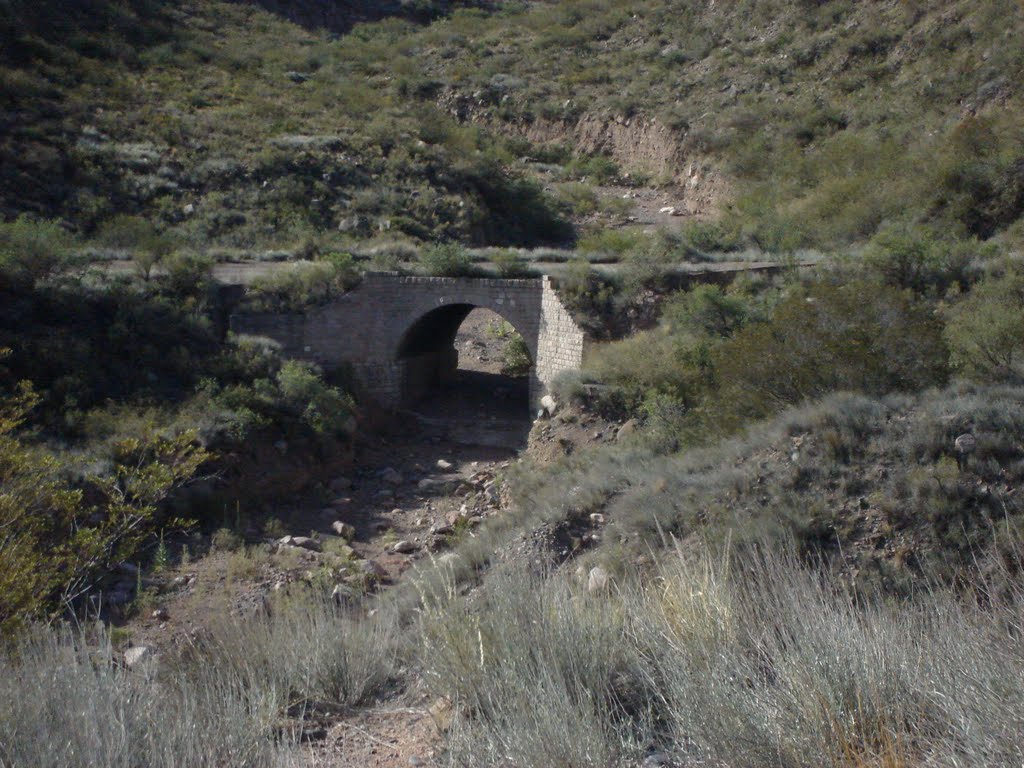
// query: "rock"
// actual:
[[442, 530], [548, 406], [443, 465], [372, 569], [161, 614], [597, 581], [626, 430], [597, 518], [491, 493], [341, 484], [345, 530], [342, 594], [127, 569], [189, 209], [297, 77], [965, 443], [657, 760], [117, 597], [391, 476], [437, 484], [405, 547], [384, 493], [135, 656], [342, 501], [303, 542]]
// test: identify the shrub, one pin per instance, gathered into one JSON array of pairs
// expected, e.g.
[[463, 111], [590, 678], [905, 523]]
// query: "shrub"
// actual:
[[515, 358], [324, 408], [32, 251], [509, 264], [59, 538], [446, 260], [188, 273], [985, 332], [241, 695], [302, 285], [542, 673], [912, 257], [862, 336], [140, 237], [706, 309]]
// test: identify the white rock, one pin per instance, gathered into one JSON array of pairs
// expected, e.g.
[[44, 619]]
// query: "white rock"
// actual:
[[598, 580], [548, 405], [405, 547], [136, 655], [345, 530]]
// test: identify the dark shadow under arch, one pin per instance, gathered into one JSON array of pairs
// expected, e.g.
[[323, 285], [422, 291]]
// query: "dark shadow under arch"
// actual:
[[430, 361]]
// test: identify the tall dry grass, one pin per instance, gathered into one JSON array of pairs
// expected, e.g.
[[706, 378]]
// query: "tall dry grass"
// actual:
[[752, 660]]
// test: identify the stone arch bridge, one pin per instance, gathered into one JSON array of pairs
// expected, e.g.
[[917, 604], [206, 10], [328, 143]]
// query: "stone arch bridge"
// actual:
[[396, 333]]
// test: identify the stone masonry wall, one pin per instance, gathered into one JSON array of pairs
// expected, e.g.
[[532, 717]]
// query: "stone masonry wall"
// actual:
[[364, 329]]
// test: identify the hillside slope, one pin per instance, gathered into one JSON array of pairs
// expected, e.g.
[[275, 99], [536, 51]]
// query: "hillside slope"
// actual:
[[800, 123]]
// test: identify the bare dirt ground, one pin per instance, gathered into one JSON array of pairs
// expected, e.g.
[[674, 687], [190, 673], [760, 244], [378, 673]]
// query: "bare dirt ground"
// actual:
[[440, 466]]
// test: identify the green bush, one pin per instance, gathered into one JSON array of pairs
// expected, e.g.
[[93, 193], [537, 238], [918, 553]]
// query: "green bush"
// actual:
[[862, 336], [985, 330], [706, 309], [297, 287], [515, 358], [32, 251], [324, 408], [912, 257], [446, 260], [61, 538], [509, 264], [148, 245]]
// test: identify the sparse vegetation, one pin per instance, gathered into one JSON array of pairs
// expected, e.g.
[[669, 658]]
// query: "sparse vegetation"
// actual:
[[800, 488]]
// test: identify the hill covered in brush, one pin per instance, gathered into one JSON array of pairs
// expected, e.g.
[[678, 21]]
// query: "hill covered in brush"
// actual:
[[265, 125]]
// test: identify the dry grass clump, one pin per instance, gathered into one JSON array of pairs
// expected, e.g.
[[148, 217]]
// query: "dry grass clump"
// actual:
[[751, 660], [237, 697]]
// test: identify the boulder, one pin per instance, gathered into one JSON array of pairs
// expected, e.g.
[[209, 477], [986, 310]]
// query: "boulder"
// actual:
[[405, 547], [372, 569], [598, 580], [303, 542], [626, 430], [548, 406], [391, 476], [134, 656], [345, 530]]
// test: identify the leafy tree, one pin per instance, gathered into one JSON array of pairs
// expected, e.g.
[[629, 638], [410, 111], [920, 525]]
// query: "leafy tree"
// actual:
[[985, 331], [147, 244]]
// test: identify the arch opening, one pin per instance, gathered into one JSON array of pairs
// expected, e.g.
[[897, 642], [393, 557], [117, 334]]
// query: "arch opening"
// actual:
[[467, 364]]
